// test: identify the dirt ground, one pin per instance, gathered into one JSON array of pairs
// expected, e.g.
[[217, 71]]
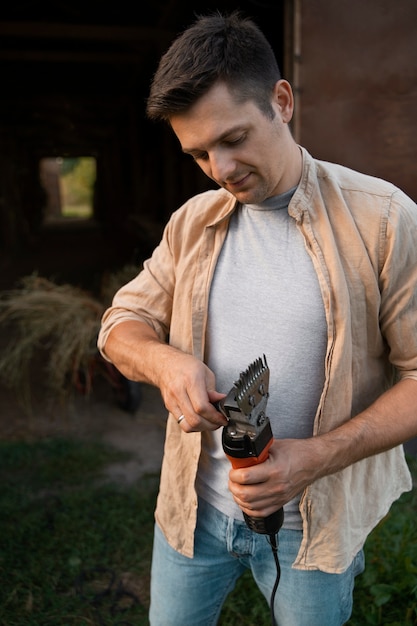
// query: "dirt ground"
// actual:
[[96, 417]]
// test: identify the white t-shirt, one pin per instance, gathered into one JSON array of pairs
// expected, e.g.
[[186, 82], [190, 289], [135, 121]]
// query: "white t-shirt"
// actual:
[[264, 300]]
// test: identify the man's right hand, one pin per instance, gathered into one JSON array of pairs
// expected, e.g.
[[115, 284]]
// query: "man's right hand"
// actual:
[[187, 385]]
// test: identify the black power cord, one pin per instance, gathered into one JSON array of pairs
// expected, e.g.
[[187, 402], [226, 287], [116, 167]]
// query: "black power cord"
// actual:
[[273, 542], [270, 527]]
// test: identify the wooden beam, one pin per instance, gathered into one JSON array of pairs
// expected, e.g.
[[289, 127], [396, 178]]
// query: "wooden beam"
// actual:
[[46, 30], [67, 56]]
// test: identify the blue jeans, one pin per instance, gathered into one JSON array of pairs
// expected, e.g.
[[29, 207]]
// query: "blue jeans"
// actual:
[[191, 592]]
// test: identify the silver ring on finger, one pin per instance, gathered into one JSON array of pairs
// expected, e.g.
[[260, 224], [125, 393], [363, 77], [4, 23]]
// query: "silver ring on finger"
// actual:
[[181, 417]]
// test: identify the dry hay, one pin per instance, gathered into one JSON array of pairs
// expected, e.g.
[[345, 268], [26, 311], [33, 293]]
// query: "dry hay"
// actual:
[[55, 325]]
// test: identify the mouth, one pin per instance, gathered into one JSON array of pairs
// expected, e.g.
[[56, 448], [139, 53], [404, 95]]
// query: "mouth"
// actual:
[[238, 184]]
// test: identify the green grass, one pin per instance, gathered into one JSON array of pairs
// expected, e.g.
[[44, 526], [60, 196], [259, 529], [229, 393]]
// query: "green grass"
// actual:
[[75, 550], [65, 536], [386, 593]]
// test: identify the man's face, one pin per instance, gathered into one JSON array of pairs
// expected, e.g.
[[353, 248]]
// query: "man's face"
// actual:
[[238, 146]]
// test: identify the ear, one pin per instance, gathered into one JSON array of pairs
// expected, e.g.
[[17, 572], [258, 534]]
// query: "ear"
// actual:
[[284, 98]]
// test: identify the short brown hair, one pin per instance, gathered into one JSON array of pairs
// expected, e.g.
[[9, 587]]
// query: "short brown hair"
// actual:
[[215, 48]]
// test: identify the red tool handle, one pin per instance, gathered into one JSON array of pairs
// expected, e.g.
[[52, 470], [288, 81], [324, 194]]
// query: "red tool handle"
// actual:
[[245, 452], [250, 460]]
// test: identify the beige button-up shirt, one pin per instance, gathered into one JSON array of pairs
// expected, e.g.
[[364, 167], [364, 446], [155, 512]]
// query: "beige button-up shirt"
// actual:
[[361, 233]]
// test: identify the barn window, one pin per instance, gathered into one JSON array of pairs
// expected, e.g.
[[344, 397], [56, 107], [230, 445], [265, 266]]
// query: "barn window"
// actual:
[[69, 188]]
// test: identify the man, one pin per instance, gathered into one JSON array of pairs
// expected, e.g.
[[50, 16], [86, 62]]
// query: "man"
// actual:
[[309, 263]]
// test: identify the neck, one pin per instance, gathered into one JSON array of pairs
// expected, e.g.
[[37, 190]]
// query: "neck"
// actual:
[[294, 169]]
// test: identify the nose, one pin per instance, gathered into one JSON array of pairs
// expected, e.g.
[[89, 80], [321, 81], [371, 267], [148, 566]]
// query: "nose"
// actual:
[[222, 165]]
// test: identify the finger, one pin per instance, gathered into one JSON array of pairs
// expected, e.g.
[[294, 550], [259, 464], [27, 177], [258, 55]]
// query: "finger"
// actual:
[[196, 425], [203, 416]]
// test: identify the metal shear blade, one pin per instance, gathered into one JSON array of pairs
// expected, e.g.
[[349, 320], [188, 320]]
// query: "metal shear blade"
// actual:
[[251, 396]]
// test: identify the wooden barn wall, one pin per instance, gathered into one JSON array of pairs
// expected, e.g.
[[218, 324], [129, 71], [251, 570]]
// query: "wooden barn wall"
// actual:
[[354, 65]]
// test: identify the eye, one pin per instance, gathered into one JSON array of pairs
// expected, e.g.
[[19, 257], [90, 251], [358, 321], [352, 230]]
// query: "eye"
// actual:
[[200, 156], [235, 141]]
